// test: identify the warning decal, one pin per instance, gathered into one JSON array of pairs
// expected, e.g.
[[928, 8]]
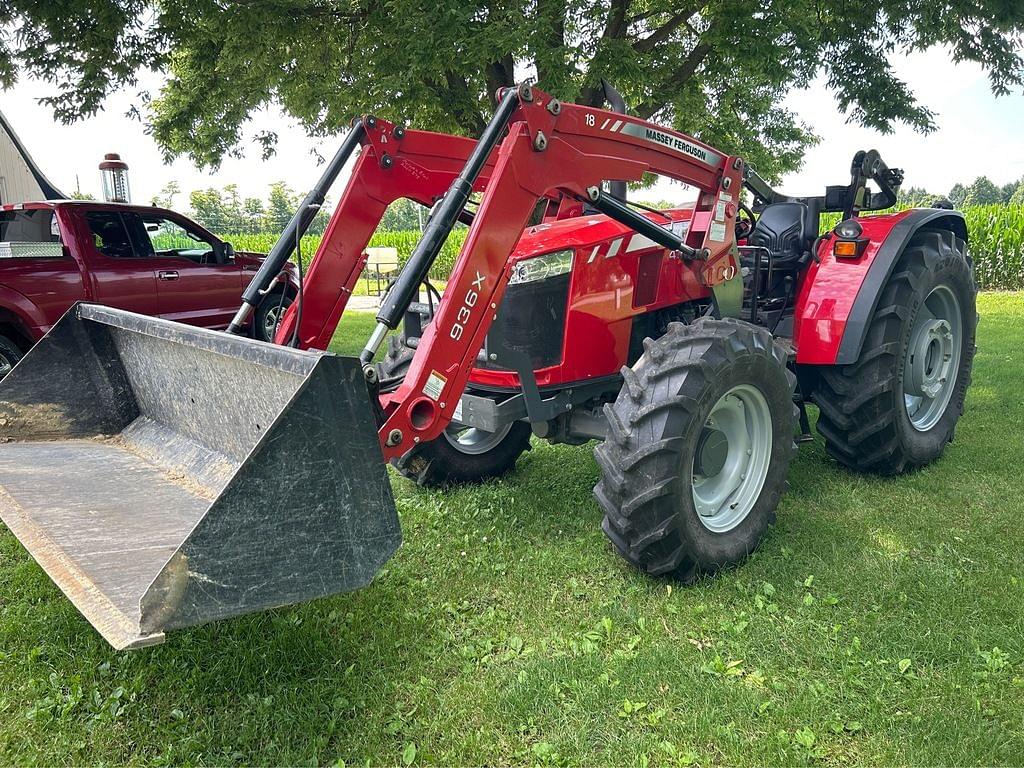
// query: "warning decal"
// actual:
[[434, 386]]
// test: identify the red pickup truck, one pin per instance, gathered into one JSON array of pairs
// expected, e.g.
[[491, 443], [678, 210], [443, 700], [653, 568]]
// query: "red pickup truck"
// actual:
[[143, 259]]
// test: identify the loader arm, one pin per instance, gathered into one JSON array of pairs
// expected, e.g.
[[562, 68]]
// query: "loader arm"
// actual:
[[550, 148], [393, 163]]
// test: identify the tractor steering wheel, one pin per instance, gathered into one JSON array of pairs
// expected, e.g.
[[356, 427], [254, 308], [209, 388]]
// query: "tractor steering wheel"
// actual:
[[745, 226]]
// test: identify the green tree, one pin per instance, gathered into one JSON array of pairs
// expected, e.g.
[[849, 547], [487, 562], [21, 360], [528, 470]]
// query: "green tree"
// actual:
[[252, 214], [659, 205], [403, 214], [281, 206], [717, 69], [958, 194], [1007, 191], [1018, 195], [208, 208], [983, 192], [915, 197], [320, 221], [165, 198], [234, 215]]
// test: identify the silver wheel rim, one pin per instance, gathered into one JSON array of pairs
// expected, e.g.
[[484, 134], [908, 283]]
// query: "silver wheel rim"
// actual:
[[473, 441], [933, 358], [271, 319], [6, 366], [732, 458]]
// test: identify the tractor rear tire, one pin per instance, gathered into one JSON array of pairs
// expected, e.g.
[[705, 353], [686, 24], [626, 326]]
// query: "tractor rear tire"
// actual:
[[459, 455], [693, 386], [875, 414]]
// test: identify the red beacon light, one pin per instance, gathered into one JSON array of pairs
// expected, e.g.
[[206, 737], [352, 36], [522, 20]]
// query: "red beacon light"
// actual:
[[114, 177]]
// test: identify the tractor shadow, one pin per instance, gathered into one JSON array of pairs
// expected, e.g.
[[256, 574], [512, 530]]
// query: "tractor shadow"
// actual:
[[547, 497]]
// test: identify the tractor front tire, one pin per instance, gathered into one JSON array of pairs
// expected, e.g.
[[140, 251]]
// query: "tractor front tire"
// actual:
[[897, 407], [699, 442], [460, 454], [269, 313]]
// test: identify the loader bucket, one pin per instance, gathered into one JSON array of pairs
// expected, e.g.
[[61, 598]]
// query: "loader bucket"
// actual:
[[165, 476]]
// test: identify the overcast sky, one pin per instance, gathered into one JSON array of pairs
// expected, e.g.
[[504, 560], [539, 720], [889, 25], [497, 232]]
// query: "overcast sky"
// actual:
[[978, 134]]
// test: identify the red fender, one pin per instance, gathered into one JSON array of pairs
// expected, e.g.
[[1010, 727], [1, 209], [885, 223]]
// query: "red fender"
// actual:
[[838, 297], [18, 309]]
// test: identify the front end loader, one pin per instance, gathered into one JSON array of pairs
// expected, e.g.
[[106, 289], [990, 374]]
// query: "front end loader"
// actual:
[[686, 342]]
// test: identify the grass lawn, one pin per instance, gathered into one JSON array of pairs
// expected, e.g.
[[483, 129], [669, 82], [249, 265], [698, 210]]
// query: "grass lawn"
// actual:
[[882, 622]]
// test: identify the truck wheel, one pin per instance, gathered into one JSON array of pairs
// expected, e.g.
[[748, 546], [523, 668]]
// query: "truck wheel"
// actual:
[[897, 407], [461, 454], [268, 315], [10, 354], [699, 442]]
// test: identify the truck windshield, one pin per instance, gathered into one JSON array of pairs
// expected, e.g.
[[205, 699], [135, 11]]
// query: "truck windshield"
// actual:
[[30, 226]]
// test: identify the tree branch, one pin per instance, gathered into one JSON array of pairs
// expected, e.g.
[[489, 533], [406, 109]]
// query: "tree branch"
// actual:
[[616, 25], [682, 73], [664, 32]]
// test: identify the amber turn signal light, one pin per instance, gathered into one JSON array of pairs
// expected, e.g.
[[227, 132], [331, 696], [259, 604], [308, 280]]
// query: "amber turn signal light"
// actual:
[[846, 249]]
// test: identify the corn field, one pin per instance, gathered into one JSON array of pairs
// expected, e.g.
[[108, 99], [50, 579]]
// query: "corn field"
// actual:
[[996, 245], [403, 241]]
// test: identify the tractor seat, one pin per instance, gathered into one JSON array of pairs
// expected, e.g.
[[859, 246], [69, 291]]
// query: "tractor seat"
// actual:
[[784, 229]]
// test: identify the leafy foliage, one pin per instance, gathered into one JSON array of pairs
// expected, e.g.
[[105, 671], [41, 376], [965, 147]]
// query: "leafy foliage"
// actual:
[[224, 210], [915, 197], [165, 197], [404, 214], [983, 192], [715, 69]]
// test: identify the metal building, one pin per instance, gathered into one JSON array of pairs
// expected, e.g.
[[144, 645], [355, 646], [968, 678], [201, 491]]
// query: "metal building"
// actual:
[[20, 178]]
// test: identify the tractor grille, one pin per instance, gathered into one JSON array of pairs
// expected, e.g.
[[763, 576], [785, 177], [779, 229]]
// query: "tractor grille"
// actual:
[[530, 321]]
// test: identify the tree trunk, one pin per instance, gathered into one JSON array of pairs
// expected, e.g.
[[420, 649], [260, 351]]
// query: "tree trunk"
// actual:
[[499, 74], [454, 95], [615, 28]]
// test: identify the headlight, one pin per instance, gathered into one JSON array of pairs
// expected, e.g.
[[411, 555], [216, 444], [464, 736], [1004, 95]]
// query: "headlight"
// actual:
[[849, 229], [541, 267]]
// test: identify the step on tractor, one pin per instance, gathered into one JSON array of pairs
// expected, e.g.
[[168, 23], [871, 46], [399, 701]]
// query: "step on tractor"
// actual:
[[165, 476]]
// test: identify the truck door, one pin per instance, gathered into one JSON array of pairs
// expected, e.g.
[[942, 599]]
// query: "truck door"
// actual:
[[121, 276], [197, 283]]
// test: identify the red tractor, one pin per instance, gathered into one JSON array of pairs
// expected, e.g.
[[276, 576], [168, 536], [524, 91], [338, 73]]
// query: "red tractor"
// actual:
[[687, 341]]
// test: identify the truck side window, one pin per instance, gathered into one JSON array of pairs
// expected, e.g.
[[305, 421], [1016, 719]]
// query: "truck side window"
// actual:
[[36, 225], [110, 235], [169, 238]]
